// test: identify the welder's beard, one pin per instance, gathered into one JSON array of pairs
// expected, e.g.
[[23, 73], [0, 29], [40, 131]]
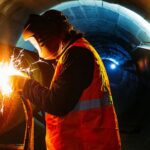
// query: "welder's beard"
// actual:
[[51, 50], [47, 53]]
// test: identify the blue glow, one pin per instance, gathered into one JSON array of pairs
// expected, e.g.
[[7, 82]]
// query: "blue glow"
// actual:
[[114, 61], [113, 66], [111, 59]]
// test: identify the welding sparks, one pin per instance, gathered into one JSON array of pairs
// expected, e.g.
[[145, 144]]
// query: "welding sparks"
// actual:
[[8, 69], [11, 68]]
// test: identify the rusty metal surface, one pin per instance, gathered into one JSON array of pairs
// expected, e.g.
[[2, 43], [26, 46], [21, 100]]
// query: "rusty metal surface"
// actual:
[[11, 147]]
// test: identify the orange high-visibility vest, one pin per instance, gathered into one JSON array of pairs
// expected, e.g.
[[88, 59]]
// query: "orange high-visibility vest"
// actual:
[[92, 124]]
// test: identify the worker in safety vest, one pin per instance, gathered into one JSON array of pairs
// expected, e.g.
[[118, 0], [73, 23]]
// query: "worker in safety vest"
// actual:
[[78, 105]]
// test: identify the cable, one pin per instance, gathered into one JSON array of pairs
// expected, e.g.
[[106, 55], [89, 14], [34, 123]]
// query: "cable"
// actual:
[[29, 131]]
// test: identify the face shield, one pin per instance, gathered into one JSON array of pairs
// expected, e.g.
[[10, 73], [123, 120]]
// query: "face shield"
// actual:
[[50, 28], [34, 42]]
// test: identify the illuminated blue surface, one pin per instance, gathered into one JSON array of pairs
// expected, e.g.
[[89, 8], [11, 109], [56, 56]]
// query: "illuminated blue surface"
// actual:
[[106, 18]]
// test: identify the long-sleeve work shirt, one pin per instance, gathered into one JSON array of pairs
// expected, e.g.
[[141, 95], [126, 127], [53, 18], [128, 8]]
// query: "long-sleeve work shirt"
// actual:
[[65, 91]]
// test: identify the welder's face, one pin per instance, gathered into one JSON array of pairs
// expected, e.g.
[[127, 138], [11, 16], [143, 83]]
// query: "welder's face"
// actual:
[[48, 49], [51, 47]]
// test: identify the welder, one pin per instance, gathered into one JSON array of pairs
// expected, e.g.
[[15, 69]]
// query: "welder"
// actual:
[[78, 105]]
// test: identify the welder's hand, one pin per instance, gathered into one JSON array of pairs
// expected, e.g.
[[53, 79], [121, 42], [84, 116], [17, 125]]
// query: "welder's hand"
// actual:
[[18, 82]]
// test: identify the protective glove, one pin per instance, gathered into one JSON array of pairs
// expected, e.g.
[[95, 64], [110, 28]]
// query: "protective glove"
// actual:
[[18, 82]]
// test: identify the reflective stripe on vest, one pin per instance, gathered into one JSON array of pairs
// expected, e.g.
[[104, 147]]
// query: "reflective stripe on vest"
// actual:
[[90, 104]]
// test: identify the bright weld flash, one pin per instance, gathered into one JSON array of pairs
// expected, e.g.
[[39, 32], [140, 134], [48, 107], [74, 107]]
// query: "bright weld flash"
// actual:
[[7, 70]]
